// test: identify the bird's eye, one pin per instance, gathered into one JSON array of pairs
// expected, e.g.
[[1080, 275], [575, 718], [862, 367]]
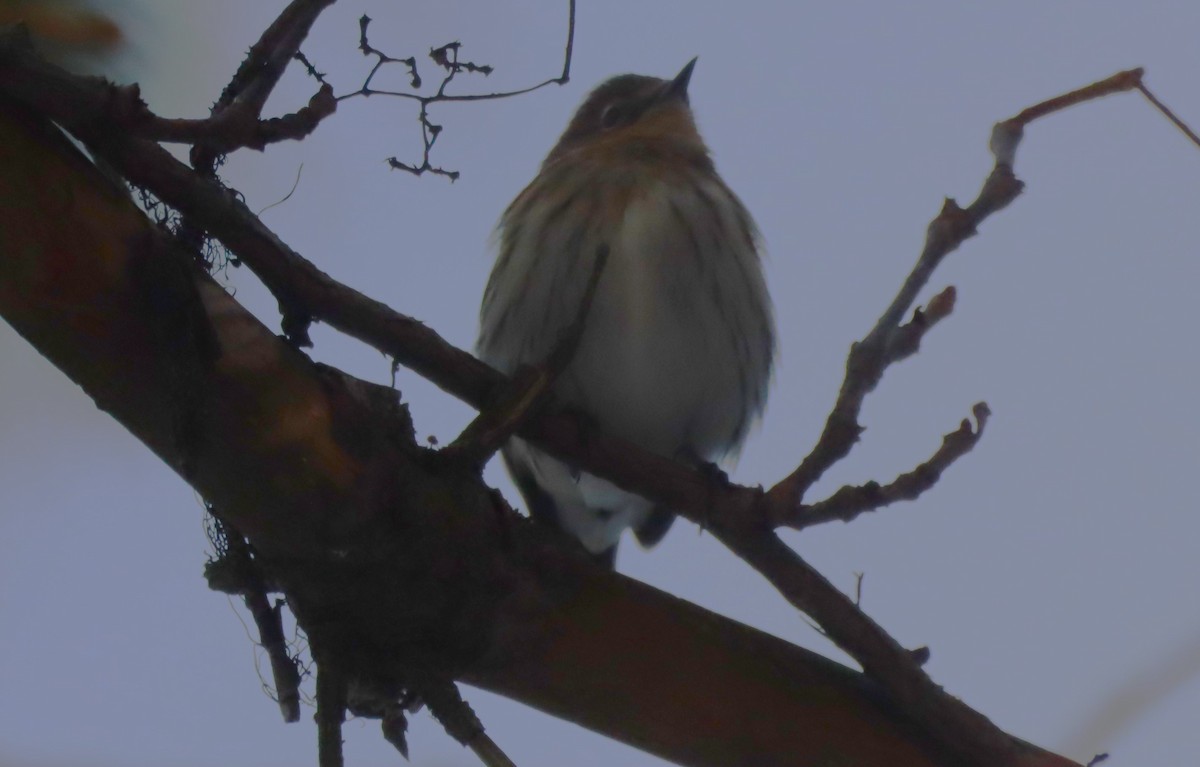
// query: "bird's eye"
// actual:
[[612, 116]]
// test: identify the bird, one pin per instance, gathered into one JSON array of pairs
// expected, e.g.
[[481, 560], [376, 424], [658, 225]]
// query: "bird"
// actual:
[[676, 349]]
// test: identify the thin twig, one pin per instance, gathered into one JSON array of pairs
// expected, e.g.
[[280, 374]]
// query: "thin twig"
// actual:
[[79, 105], [267, 59], [870, 357], [240, 105], [851, 500], [967, 732], [1118, 83], [737, 516], [1187, 131], [906, 341], [446, 57], [228, 131]]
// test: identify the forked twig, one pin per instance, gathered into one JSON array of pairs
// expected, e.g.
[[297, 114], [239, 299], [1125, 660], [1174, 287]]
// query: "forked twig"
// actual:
[[447, 57], [871, 356], [741, 517]]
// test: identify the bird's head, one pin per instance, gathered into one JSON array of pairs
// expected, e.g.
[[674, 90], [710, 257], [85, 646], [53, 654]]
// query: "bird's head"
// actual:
[[633, 108]]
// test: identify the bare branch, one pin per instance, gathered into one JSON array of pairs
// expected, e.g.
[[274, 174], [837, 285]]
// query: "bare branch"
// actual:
[[850, 501], [969, 734], [235, 120], [267, 59], [886, 344], [740, 517], [871, 356], [1180, 124], [446, 57], [239, 108], [82, 105], [229, 130], [381, 59], [906, 341], [473, 564]]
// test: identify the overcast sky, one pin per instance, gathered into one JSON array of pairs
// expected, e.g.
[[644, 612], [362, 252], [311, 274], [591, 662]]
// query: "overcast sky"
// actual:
[[1052, 572]]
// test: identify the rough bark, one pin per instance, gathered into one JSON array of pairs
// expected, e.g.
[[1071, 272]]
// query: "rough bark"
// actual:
[[394, 559]]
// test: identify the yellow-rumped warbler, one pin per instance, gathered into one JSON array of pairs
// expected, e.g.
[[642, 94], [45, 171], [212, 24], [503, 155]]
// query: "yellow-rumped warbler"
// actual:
[[676, 349]]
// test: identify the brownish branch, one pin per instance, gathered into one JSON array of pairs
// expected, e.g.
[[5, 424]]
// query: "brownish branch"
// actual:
[[233, 129], [1170, 115], [304, 290], [80, 105], [887, 343], [120, 108], [851, 500], [390, 565], [235, 120], [267, 59], [967, 734], [740, 517], [906, 341]]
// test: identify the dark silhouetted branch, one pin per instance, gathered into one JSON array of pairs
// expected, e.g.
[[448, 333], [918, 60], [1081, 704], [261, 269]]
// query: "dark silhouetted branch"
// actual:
[[851, 500], [742, 518]]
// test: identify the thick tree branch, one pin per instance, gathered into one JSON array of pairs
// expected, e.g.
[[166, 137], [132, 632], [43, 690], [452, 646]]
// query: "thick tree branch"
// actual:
[[80, 104], [738, 516], [393, 562], [741, 517]]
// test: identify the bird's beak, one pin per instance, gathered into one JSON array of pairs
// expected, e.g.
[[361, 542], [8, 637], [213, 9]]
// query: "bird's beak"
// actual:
[[677, 88]]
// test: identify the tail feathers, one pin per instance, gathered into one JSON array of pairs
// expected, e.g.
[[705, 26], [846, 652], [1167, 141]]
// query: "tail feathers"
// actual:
[[541, 506], [544, 511], [650, 532]]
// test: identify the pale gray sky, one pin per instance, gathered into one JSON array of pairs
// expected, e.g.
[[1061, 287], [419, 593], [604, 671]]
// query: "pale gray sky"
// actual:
[[1051, 570]]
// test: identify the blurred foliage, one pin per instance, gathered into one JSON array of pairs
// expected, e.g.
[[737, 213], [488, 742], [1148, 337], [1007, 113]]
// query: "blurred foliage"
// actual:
[[64, 26]]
